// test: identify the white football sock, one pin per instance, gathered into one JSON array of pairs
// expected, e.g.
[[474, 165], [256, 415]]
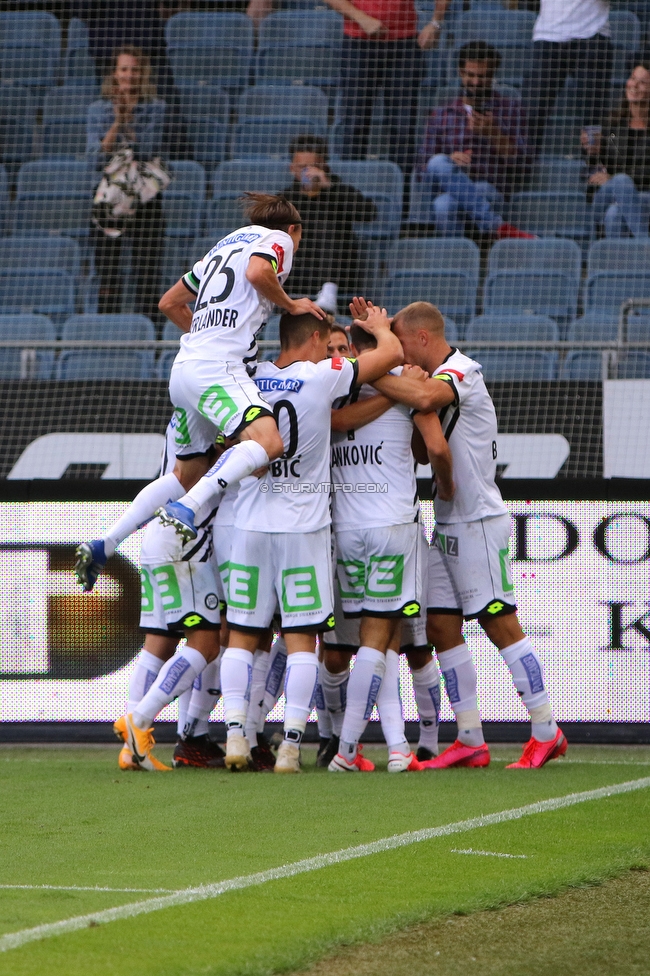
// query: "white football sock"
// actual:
[[175, 677], [324, 717], [335, 693], [233, 465], [389, 704], [274, 679], [363, 688], [426, 686], [141, 510], [299, 688], [205, 694], [258, 687], [460, 683], [236, 677], [527, 673], [183, 703], [147, 667]]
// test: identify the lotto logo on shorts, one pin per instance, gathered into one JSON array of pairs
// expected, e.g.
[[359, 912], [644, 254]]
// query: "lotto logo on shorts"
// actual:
[[300, 590], [411, 609], [385, 576], [243, 583], [252, 414], [170, 591], [495, 607], [192, 620]]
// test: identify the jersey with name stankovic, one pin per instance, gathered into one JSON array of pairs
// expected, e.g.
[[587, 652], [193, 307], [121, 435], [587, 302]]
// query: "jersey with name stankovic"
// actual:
[[469, 423], [373, 471], [229, 312], [294, 494]]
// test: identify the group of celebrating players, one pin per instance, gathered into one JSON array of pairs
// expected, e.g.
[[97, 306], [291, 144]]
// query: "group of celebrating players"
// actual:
[[262, 462]]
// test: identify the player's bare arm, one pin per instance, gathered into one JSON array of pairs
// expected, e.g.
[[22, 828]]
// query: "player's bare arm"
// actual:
[[264, 280], [438, 453], [423, 395], [174, 305], [355, 415], [388, 354]]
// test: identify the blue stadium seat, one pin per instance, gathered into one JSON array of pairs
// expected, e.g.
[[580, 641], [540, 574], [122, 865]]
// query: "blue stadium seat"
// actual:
[[223, 215], [638, 326], [30, 48], [512, 328], [435, 254], [634, 365], [586, 365], [17, 124], [284, 101], [510, 365], [175, 261], [562, 135], [452, 332], [609, 289], [78, 65], [259, 138], [626, 39], [54, 196], [300, 47], [64, 119], [271, 331], [550, 254], [105, 364], [184, 199], [551, 214], [171, 333], [594, 326], [45, 292], [24, 363], [214, 48], [232, 179], [627, 255], [551, 173], [4, 199], [541, 292], [165, 363], [47, 253], [453, 292], [128, 327], [206, 111], [384, 183], [508, 30]]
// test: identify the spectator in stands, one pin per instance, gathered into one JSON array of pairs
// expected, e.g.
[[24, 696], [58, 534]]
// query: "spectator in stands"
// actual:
[[328, 259], [623, 172], [129, 114], [383, 49], [339, 342], [570, 37], [475, 151]]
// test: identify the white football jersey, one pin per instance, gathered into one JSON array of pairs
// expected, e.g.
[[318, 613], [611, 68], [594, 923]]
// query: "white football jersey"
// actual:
[[229, 312], [470, 425], [377, 464], [225, 514], [294, 494]]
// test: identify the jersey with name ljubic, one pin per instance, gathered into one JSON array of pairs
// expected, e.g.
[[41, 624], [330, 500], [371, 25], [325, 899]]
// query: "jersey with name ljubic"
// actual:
[[377, 464], [469, 424], [229, 312], [294, 494]]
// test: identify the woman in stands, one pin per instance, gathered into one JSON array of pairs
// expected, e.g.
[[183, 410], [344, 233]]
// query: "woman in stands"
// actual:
[[623, 173], [129, 115]]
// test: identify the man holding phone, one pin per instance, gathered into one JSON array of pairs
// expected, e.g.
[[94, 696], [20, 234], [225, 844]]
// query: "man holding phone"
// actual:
[[475, 152]]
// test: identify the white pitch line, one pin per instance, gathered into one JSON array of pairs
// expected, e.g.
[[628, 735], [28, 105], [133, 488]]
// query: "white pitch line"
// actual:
[[469, 850], [203, 892], [141, 891]]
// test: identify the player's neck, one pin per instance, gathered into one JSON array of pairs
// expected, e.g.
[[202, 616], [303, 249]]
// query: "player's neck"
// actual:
[[298, 354], [437, 353]]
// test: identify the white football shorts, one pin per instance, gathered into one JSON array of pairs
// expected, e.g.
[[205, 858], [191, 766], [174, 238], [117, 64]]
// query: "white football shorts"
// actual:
[[469, 568], [271, 569], [186, 592], [211, 398], [379, 571]]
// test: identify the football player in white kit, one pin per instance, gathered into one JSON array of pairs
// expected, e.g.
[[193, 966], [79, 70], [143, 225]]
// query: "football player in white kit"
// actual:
[[281, 548], [469, 569], [234, 287]]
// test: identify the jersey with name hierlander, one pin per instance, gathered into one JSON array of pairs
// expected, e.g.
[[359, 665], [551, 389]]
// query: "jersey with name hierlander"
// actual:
[[229, 312], [377, 468], [469, 423], [294, 494]]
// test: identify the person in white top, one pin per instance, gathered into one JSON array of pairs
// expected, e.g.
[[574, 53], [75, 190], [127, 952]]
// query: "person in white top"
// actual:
[[570, 37], [281, 549], [234, 288], [469, 568]]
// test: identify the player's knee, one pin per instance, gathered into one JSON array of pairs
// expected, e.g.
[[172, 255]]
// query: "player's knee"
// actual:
[[418, 657], [445, 630]]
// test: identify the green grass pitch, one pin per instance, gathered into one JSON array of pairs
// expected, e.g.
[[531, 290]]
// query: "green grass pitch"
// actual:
[[72, 821]]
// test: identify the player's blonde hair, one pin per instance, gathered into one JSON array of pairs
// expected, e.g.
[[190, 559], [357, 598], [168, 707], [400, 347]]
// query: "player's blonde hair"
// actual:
[[421, 315]]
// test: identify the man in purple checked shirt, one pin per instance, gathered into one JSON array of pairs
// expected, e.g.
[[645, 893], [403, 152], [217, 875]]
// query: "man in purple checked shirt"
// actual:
[[475, 151]]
